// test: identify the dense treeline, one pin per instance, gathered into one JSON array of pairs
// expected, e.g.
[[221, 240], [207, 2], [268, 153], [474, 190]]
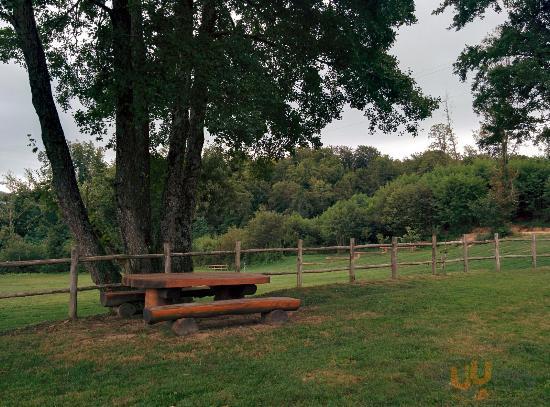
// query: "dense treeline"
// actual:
[[326, 196], [321, 195]]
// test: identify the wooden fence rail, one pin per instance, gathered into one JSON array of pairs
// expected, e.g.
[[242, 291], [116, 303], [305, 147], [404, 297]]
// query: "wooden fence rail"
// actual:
[[352, 251]]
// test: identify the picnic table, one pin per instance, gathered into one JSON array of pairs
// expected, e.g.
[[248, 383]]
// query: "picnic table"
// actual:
[[168, 296], [163, 288]]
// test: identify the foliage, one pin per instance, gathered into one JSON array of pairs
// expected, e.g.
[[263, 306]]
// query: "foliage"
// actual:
[[30, 220], [511, 75], [265, 229], [405, 204], [455, 193], [442, 135], [345, 219], [529, 183], [322, 196], [546, 201]]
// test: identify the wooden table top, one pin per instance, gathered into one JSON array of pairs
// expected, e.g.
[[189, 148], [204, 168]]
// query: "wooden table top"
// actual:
[[183, 280]]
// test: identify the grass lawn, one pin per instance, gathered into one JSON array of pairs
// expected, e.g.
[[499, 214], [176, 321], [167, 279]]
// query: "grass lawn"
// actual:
[[370, 343]]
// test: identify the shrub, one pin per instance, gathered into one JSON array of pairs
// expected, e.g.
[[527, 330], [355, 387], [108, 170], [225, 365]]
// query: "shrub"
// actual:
[[265, 229], [454, 194], [409, 207], [296, 227], [16, 248], [345, 219]]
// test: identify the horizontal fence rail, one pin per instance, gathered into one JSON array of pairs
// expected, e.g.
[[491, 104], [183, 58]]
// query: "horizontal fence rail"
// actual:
[[352, 252]]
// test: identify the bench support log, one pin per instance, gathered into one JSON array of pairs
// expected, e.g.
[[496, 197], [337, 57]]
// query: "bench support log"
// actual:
[[184, 326], [275, 317], [155, 314], [127, 309]]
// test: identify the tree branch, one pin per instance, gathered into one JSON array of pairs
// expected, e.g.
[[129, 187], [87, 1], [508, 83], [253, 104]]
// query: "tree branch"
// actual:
[[59, 20], [5, 15], [253, 37], [101, 5]]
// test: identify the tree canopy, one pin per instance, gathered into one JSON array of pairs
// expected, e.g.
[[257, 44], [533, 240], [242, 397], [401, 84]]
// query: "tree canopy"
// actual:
[[510, 68], [264, 76]]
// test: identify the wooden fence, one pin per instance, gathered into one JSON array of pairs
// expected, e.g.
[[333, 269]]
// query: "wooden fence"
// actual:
[[351, 267]]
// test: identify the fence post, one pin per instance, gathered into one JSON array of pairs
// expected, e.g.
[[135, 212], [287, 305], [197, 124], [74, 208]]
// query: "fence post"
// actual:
[[167, 257], [394, 257], [534, 250], [299, 264], [73, 288], [126, 266], [497, 253], [351, 259], [434, 254], [238, 256], [465, 253]]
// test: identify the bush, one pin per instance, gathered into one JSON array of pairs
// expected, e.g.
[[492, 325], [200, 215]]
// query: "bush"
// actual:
[[265, 229], [297, 227], [531, 178], [345, 219], [407, 206], [455, 192], [546, 201], [16, 248]]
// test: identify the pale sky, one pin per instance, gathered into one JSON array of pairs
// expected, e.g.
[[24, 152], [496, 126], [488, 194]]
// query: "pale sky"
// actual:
[[427, 48]]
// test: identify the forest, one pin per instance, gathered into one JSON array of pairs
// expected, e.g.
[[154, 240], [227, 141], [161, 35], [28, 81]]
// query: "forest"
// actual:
[[324, 196]]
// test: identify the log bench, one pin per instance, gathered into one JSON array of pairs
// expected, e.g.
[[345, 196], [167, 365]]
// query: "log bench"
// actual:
[[273, 310]]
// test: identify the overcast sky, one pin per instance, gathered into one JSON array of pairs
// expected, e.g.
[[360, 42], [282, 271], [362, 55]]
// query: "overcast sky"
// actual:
[[427, 48]]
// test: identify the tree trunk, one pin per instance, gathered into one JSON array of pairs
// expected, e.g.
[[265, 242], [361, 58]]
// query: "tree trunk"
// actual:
[[132, 132], [192, 168], [186, 140], [63, 174], [172, 218]]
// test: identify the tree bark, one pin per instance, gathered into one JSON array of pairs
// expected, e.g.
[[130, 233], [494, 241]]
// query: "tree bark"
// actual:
[[188, 200], [63, 174], [172, 219], [132, 179], [187, 140]]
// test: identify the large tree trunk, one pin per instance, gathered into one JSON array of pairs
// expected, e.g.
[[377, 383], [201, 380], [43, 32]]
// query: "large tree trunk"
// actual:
[[186, 140], [184, 164], [192, 168], [63, 174], [132, 132], [172, 219]]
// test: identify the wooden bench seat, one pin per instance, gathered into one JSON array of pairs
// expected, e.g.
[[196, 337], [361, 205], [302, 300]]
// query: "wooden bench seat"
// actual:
[[116, 298], [217, 308], [128, 303]]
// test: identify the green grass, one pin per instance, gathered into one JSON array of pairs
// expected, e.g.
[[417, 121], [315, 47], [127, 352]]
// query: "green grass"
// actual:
[[370, 343], [20, 312]]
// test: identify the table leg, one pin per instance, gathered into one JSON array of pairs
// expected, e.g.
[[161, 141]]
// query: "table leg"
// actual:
[[153, 298]]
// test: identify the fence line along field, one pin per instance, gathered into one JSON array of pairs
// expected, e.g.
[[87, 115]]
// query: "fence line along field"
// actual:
[[37, 297]]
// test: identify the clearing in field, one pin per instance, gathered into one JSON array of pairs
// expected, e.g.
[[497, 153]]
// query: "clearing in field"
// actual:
[[380, 342]]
